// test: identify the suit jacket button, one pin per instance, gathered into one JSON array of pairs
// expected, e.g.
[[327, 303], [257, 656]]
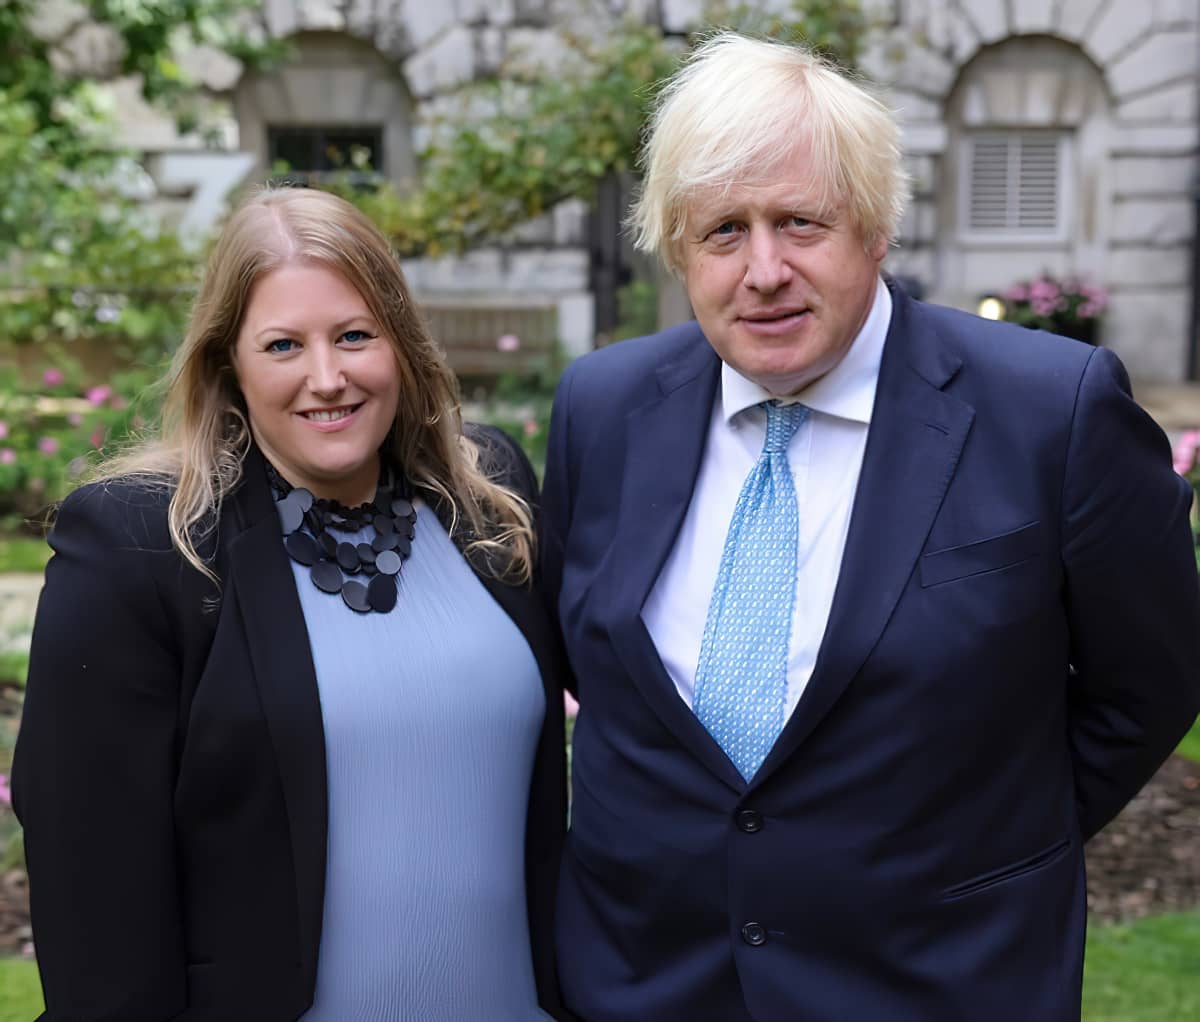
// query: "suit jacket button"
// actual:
[[754, 934], [749, 822]]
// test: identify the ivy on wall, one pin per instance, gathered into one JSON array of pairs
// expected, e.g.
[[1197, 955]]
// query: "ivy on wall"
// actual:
[[553, 135]]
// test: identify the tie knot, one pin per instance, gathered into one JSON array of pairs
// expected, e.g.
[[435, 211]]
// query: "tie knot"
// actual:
[[782, 423]]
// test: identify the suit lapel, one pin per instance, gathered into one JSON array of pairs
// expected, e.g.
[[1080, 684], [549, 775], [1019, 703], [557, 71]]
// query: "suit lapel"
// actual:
[[664, 445], [916, 436], [261, 577]]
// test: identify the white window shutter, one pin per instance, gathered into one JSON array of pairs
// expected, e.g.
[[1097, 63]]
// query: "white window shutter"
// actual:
[[1013, 182]]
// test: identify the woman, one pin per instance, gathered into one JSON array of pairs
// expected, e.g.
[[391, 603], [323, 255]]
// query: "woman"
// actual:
[[292, 743]]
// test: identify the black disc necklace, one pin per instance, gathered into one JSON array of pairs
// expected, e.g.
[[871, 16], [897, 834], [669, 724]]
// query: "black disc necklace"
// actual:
[[309, 524]]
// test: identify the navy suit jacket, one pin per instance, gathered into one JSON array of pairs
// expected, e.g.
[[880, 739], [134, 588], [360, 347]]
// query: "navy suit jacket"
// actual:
[[1012, 651]]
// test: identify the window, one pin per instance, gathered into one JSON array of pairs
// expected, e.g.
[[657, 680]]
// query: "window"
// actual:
[[315, 151], [1013, 184]]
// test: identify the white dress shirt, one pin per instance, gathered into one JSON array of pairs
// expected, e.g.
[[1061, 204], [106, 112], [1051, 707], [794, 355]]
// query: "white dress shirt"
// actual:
[[825, 457]]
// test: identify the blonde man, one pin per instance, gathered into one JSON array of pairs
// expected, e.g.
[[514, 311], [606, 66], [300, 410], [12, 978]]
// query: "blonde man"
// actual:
[[878, 610]]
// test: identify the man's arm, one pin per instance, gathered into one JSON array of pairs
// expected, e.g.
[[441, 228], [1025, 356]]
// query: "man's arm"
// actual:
[[1132, 596]]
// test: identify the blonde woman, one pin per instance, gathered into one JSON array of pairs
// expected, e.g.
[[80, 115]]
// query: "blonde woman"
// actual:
[[292, 745]]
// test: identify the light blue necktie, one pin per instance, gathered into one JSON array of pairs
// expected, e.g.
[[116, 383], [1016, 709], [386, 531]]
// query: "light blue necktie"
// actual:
[[741, 677]]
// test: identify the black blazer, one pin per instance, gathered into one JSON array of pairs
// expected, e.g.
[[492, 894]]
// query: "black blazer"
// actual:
[[170, 769]]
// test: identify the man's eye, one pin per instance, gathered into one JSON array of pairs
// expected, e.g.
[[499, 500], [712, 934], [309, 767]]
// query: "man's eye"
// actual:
[[799, 221], [726, 228], [281, 345]]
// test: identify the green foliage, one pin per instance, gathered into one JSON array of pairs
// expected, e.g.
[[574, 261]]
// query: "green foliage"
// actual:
[[80, 260], [23, 554], [50, 431], [549, 135]]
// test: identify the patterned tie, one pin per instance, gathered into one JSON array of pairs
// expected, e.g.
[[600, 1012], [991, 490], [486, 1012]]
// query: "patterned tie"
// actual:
[[741, 677]]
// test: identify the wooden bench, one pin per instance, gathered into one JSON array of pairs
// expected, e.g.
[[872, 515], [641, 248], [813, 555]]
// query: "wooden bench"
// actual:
[[469, 334]]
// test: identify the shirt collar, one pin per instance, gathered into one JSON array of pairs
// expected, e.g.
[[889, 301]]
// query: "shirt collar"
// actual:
[[846, 391]]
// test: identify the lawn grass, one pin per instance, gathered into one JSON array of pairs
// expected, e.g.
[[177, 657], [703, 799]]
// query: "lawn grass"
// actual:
[[1190, 746], [20, 991], [1148, 971], [21, 553]]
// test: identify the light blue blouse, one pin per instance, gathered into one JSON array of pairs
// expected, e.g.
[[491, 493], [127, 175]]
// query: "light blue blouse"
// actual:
[[431, 714]]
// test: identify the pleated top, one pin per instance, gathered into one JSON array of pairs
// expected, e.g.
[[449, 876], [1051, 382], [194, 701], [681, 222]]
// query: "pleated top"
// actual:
[[431, 714]]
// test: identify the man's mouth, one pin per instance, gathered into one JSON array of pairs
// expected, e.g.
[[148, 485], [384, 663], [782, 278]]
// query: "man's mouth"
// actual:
[[773, 315], [330, 414]]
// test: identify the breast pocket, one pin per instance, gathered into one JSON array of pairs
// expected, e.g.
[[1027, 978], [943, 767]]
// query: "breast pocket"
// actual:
[[982, 557]]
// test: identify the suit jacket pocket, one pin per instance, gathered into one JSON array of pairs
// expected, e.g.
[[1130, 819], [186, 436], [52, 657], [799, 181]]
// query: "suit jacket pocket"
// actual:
[[1020, 868], [986, 555]]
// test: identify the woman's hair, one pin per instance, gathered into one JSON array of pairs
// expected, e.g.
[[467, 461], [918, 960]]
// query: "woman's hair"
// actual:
[[735, 112], [204, 434]]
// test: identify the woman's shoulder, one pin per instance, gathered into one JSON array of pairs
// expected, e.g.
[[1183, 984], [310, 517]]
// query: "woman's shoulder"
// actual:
[[125, 511], [502, 459]]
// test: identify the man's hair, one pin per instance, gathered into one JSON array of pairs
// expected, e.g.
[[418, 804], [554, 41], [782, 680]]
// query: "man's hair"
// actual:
[[735, 111]]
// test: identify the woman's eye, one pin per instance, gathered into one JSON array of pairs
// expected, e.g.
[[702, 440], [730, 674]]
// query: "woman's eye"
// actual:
[[355, 336], [281, 345]]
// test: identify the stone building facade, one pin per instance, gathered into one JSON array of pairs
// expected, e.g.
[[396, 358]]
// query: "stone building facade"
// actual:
[[1041, 134]]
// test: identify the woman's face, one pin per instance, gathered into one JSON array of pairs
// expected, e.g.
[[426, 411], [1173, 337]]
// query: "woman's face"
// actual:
[[320, 379]]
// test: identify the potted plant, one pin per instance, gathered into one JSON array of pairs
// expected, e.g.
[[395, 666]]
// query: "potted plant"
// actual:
[[1070, 307]]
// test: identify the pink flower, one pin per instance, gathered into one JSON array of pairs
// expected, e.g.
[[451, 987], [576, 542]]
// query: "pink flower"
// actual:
[[98, 395], [1185, 451], [530, 427], [97, 438], [75, 419], [48, 445], [7, 456], [1017, 293], [5, 791], [1043, 288], [570, 705], [52, 377], [508, 342]]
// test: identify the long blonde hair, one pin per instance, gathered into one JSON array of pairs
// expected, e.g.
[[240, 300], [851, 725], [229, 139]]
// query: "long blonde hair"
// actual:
[[204, 435]]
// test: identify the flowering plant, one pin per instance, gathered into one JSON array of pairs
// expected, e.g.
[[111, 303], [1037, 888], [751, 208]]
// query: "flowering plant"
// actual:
[[1071, 307], [1187, 464]]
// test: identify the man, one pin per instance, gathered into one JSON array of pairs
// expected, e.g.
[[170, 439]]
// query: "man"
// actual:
[[878, 610]]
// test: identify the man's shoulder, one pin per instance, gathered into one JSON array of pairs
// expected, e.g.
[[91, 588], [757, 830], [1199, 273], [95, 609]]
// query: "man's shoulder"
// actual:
[[637, 361], [1031, 368], [998, 343]]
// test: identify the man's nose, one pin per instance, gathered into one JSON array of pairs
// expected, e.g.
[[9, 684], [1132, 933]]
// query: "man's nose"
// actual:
[[767, 268], [325, 375]]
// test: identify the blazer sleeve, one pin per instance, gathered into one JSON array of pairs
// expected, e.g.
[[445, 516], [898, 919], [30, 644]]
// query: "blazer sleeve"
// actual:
[[94, 768], [556, 493], [1132, 596]]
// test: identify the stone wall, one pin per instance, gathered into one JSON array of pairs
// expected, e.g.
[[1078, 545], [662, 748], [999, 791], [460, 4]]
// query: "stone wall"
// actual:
[[941, 62]]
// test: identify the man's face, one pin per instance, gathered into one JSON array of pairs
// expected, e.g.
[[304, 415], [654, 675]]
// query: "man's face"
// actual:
[[779, 285]]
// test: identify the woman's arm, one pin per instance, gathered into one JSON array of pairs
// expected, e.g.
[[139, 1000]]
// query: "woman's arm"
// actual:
[[95, 764]]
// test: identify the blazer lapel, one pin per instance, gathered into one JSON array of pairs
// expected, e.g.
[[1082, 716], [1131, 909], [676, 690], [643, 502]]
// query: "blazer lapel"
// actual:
[[261, 577], [916, 436], [664, 445]]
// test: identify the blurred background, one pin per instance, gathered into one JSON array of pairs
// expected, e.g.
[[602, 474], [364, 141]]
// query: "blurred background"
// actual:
[[1052, 146]]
